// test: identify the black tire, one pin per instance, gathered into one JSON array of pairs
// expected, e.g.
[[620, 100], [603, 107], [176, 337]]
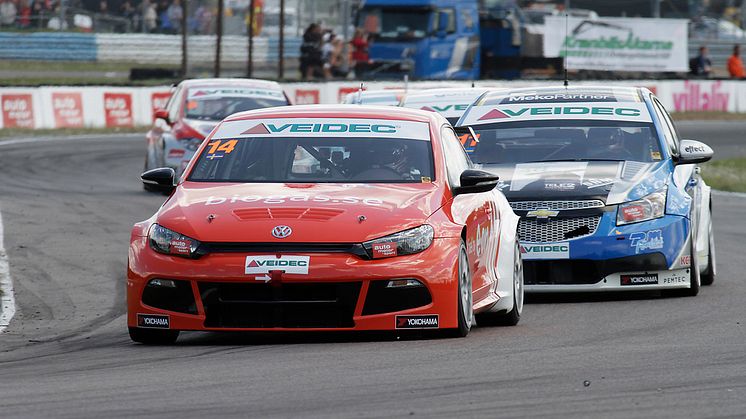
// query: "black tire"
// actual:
[[708, 277], [512, 317], [464, 324], [153, 336]]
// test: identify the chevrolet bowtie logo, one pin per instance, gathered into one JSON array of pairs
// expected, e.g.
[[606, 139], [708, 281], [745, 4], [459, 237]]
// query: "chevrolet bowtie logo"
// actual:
[[542, 213]]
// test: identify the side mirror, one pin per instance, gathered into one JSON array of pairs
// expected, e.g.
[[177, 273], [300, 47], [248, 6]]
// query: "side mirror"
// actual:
[[476, 181], [161, 114], [161, 179], [691, 152]]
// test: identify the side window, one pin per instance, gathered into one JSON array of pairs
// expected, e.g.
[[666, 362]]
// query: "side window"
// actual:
[[669, 131], [451, 25], [467, 21], [455, 157], [174, 104]]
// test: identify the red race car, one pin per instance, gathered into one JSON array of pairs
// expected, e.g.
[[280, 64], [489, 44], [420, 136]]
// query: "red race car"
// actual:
[[325, 218], [195, 108]]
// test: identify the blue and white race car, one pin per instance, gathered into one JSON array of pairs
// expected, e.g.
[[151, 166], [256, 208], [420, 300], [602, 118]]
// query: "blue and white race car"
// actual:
[[451, 102], [610, 198]]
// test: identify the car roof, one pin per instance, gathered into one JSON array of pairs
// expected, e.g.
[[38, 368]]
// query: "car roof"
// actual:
[[340, 111], [621, 98], [552, 94], [256, 83]]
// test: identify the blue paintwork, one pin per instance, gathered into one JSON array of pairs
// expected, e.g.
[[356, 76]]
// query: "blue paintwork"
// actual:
[[432, 54], [48, 46], [607, 244], [611, 241]]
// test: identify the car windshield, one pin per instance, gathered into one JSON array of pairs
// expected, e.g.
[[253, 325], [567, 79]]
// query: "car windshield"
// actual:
[[395, 24], [315, 160], [540, 141], [217, 108]]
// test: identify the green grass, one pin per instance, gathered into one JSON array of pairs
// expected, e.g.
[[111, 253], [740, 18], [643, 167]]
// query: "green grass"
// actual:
[[7, 133], [726, 175]]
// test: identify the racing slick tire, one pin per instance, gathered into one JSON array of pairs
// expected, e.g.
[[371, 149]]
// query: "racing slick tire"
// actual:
[[465, 307], [512, 317], [152, 336], [708, 277]]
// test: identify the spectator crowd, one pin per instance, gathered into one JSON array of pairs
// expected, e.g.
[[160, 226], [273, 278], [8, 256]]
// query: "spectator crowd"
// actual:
[[149, 16], [322, 54], [701, 65]]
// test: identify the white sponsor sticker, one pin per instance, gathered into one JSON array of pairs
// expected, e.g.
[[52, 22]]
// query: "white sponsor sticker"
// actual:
[[281, 199], [604, 111], [288, 264], [324, 127], [204, 93], [537, 251], [527, 173]]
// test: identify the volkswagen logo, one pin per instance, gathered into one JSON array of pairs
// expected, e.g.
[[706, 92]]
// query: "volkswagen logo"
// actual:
[[282, 231]]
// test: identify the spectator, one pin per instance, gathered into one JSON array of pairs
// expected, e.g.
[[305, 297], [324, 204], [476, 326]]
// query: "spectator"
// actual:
[[701, 64], [175, 13], [24, 16], [735, 65], [331, 53], [310, 52], [359, 56], [164, 21], [126, 10], [103, 7], [149, 16], [8, 13]]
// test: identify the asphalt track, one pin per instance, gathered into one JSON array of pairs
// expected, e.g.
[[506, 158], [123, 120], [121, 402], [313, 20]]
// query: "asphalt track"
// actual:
[[67, 208]]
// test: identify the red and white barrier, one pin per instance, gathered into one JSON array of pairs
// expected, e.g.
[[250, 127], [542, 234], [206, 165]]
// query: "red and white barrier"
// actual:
[[104, 106]]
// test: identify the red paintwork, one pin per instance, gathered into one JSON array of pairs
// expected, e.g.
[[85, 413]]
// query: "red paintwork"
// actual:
[[404, 206], [179, 128]]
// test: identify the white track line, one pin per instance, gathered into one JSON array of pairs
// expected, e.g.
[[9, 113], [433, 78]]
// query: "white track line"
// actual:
[[128, 136], [7, 300]]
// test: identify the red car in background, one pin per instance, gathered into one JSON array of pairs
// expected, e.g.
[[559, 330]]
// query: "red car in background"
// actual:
[[195, 108]]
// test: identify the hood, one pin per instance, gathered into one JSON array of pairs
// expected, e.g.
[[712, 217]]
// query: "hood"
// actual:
[[609, 181], [316, 213], [392, 51]]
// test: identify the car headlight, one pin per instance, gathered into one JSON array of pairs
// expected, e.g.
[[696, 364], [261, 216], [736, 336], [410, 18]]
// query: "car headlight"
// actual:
[[168, 242], [649, 207], [404, 242]]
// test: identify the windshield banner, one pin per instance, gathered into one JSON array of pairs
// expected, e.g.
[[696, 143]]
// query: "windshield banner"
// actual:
[[208, 93], [632, 112], [324, 127], [618, 44]]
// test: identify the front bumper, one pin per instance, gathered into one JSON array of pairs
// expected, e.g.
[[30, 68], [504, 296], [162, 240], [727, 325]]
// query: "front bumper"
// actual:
[[340, 292], [657, 250]]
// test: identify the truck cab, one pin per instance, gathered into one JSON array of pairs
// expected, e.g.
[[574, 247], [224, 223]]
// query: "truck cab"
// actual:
[[424, 39]]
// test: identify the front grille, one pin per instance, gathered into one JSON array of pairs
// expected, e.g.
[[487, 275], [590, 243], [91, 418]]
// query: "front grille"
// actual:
[[381, 299], [557, 229], [556, 205], [179, 298], [287, 305], [356, 249]]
